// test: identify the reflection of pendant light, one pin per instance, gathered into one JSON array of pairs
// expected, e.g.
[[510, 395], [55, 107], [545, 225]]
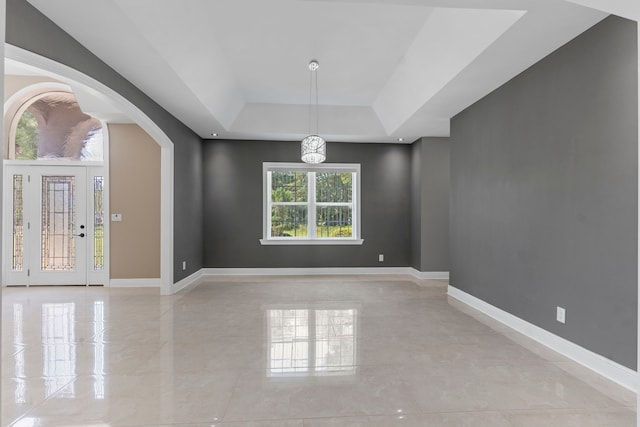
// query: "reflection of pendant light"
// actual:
[[314, 148]]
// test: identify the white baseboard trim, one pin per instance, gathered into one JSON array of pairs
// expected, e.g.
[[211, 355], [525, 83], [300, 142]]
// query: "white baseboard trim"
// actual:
[[192, 279], [134, 283], [321, 271], [429, 275], [593, 361]]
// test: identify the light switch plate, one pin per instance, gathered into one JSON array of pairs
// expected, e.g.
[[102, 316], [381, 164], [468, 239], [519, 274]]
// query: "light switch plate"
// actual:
[[116, 217]]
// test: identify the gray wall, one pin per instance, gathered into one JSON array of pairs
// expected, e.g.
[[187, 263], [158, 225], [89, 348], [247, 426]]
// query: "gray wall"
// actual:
[[28, 29], [544, 193], [233, 206], [430, 204]]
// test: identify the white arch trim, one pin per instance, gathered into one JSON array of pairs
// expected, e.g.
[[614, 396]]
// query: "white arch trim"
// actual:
[[166, 147]]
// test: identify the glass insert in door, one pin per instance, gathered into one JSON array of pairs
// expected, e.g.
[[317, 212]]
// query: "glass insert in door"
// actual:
[[98, 223], [18, 224], [58, 223]]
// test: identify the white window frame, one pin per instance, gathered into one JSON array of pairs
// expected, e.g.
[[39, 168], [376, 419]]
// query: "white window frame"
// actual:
[[267, 167]]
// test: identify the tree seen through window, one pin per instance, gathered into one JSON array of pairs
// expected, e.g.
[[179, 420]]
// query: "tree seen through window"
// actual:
[[317, 204], [53, 127]]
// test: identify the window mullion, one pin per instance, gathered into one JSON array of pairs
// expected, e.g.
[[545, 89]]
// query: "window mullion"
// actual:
[[355, 194], [311, 198], [269, 208]]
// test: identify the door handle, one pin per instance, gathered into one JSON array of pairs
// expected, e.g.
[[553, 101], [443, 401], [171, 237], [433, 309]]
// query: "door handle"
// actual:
[[79, 235]]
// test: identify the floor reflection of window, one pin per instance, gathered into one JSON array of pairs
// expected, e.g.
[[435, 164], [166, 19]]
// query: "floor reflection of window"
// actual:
[[18, 346], [58, 346], [311, 342], [98, 350], [335, 340], [289, 332]]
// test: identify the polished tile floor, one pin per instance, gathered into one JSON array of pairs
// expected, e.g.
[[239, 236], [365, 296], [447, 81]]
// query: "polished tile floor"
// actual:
[[286, 352]]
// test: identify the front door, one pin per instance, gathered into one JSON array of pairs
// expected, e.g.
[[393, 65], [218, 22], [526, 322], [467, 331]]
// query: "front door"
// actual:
[[52, 226]]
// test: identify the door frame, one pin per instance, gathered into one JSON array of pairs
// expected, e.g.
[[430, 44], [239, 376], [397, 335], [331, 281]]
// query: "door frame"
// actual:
[[7, 252]]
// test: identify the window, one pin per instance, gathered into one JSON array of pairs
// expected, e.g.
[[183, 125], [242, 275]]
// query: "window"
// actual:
[[306, 204], [50, 126]]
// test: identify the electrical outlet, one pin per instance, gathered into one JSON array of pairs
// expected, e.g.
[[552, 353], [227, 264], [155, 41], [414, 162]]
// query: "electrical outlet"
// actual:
[[184, 265], [561, 315], [381, 258]]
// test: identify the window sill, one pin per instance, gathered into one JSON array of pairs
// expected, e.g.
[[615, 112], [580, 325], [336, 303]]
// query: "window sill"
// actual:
[[311, 242]]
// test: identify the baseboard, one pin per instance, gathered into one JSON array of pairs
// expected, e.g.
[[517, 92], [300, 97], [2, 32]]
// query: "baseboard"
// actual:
[[192, 279], [593, 361], [134, 283], [320, 271], [429, 275]]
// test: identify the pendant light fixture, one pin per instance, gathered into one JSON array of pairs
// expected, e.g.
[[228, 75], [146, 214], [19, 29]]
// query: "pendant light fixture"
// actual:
[[314, 147]]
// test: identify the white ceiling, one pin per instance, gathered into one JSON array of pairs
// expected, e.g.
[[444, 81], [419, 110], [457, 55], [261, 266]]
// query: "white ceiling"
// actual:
[[388, 68]]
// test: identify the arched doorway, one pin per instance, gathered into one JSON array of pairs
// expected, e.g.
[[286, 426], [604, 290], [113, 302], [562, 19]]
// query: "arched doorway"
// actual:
[[126, 107]]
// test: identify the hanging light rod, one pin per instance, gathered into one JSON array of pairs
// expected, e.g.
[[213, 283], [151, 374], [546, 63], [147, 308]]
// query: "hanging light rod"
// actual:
[[313, 147]]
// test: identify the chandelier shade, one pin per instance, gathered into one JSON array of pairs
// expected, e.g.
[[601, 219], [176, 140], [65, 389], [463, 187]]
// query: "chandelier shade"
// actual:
[[314, 149]]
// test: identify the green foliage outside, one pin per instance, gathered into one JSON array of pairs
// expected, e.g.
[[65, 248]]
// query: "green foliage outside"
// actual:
[[27, 137], [333, 221], [289, 187], [289, 221], [334, 187], [334, 231], [292, 187]]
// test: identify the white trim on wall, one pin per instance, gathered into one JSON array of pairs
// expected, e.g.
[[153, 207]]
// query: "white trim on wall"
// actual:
[[192, 279], [607, 368], [319, 271], [325, 242], [429, 275], [202, 274], [166, 219], [135, 283]]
